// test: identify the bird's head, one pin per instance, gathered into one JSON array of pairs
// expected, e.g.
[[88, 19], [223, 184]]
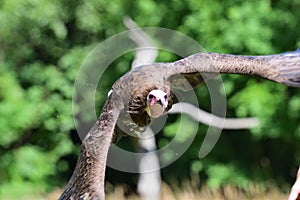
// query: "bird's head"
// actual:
[[157, 102]]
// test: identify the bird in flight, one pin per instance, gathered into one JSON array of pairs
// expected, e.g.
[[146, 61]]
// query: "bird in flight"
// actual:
[[145, 93]]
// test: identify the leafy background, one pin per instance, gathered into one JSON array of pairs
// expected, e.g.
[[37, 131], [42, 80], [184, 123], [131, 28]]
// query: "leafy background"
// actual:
[[43, 43]]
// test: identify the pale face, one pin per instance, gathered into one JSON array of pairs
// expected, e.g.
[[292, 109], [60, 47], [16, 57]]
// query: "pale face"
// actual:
[[157, 102]]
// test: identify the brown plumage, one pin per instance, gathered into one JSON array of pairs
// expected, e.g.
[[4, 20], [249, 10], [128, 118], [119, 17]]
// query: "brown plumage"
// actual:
[[125, 106]]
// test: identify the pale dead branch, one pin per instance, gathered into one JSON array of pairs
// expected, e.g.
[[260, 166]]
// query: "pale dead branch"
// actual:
[[213, 120]]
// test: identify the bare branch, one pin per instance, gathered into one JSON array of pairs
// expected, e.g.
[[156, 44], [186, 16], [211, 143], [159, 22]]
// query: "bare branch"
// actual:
[[213, 120], [148, 183], [146, 52]]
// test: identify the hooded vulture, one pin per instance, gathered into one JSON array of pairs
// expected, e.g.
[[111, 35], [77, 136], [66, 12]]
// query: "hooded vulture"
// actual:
[[145, 93]]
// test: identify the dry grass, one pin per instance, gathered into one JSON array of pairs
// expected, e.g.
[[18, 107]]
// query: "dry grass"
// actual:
[[227, 192], [187, 191]]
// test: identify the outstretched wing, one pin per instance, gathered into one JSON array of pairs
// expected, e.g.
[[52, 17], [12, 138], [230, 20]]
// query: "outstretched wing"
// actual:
[[87, 181], [282, 68]]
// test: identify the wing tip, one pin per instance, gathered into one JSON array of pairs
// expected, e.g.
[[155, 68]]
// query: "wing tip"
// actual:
[[292, 82], [291, 78], [297, 51], [289, 68]]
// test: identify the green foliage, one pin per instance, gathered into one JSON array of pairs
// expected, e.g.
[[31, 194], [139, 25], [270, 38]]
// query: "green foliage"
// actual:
[[257, 99], [43, 43], [220, 174], [183, 127]]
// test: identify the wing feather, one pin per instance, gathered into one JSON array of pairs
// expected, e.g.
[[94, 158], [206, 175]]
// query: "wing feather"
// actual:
[[282, 68], [87, 181]]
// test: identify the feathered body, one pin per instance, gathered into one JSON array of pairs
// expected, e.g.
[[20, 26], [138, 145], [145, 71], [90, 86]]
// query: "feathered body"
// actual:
[[134, 87]]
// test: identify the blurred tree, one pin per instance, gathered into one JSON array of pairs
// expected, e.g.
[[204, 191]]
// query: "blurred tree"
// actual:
[[42, 44]]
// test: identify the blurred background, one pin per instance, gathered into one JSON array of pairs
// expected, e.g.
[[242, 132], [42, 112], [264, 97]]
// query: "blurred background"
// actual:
[[43, 43]]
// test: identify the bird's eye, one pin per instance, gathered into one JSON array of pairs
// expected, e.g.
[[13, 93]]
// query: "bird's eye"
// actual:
[[151, 96], [165, 97]]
